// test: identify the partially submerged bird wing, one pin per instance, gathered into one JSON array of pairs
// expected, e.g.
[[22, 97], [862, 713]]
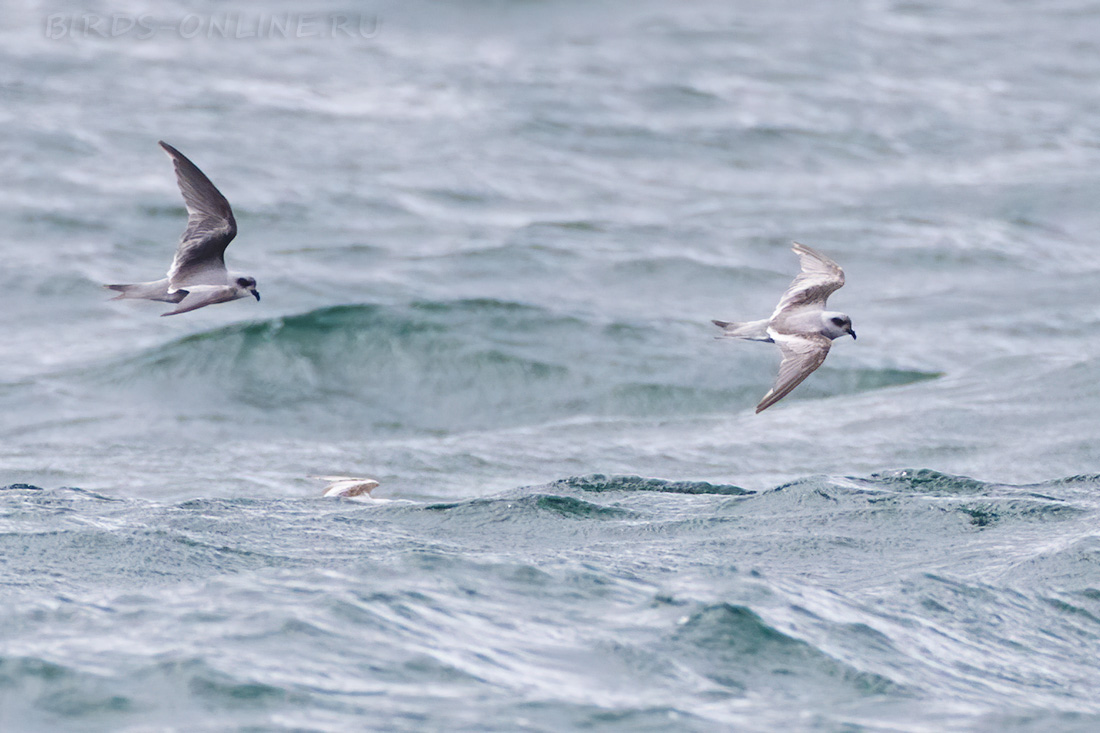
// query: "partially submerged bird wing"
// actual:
[[200, 256], [801, 356], [347, 485], [820, 277]]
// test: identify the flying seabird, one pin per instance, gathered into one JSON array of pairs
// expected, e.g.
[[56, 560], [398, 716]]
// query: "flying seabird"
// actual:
[[197, 276], [800, 325]]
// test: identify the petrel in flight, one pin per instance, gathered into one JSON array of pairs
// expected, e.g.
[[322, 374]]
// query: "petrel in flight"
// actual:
[[197, 277], [800, 325]]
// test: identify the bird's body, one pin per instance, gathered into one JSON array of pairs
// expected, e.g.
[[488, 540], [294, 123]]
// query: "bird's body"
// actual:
[[800, 325], [197, 277]]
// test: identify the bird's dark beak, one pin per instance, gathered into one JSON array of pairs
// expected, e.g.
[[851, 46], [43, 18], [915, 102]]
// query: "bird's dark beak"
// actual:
[[851, 331], [257, 294]]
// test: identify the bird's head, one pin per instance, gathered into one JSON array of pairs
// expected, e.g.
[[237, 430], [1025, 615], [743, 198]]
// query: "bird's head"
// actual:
[[248, 284], [837, 325]]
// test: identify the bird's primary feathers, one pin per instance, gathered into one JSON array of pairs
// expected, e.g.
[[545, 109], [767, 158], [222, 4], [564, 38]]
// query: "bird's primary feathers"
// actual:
[[800, 326], [200, 256]]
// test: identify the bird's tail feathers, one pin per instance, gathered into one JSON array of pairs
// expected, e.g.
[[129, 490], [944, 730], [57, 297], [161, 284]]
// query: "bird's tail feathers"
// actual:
[[125, 291], [156, 290], [748, 330]]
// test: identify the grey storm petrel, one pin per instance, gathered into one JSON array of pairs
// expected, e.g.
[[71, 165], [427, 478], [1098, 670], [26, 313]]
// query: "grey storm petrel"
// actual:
[[197, 277], [800, 325]]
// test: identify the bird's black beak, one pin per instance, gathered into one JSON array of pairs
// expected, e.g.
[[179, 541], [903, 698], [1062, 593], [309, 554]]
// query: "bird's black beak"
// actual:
[[851, 331], [257, 294]]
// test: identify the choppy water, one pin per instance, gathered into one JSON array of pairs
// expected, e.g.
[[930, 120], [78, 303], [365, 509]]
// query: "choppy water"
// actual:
[[490, 237]]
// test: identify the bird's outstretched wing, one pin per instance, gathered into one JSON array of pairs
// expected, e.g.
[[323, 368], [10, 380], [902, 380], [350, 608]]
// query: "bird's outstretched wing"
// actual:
[[200, 256], [820, 278], [801, 356]]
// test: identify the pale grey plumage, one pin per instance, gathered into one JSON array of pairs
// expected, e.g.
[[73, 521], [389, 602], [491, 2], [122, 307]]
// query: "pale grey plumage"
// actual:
[[801, 356], [800, 325], [197, 277], [820, 277]]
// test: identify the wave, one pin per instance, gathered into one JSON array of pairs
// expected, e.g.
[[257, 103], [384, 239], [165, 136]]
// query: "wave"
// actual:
[[526, 506], [600, 483], [734, 648], [940, 502], [423, 365], [821, 590], [442, 366]]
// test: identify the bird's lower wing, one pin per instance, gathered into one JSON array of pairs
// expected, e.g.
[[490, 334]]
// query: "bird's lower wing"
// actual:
[[201, 296], [801, 356]]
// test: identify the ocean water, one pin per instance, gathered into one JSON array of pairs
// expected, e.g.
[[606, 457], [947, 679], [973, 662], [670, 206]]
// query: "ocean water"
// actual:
[[490, 237]]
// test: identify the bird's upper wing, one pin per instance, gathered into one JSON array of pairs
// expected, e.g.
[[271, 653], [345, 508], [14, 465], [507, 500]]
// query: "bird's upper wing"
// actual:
[[801, 356], [820, 278], [200, 257]]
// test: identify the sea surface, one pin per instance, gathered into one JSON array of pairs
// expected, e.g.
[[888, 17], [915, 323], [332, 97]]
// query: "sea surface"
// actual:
[[490, 237]]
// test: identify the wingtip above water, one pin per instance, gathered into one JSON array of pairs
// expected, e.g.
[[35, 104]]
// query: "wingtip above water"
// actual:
[[348, 486]]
